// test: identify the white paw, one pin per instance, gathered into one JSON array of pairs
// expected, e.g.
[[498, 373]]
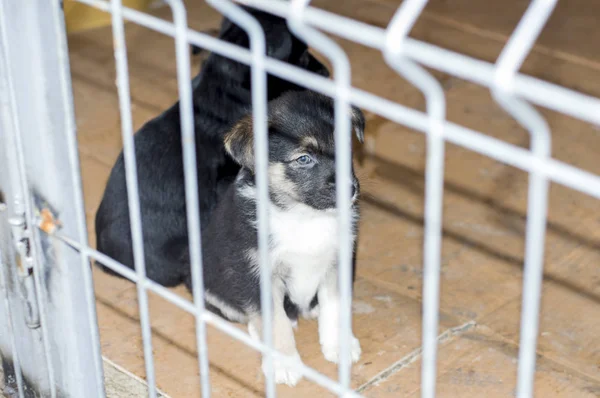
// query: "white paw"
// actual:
[[253, 332], [284, 372], [312, 314], [331, 350]]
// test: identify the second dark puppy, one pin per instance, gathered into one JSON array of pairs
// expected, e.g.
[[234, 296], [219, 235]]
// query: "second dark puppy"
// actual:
[[303, 228]]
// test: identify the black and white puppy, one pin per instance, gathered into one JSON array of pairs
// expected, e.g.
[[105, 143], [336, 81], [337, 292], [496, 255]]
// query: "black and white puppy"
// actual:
[[221, 96], [303, 227]]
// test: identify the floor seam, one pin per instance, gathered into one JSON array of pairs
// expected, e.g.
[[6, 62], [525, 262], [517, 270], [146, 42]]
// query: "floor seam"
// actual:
[[539, 353], [132, 376], [414, 356], [83, 150]]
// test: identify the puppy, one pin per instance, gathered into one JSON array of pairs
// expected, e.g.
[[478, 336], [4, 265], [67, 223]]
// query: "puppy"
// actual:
[[303, 228], [221, 96]]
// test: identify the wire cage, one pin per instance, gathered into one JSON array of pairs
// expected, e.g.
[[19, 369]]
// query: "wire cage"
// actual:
[[49, 337]]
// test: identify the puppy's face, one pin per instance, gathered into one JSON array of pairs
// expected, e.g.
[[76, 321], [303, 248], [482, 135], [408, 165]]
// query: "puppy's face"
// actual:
[[301, 149], [303, 170]]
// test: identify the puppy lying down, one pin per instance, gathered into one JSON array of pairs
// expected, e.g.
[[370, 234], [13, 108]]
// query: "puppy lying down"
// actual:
[[303, 228]]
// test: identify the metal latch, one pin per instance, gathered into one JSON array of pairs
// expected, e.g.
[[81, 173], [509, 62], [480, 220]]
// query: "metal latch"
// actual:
[[22, 240]]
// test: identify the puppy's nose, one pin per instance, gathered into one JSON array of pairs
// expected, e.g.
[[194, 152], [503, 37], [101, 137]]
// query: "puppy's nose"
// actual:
[[353, 187]]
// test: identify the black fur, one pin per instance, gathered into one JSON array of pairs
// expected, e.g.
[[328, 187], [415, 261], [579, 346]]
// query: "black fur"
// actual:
[[221, 95]]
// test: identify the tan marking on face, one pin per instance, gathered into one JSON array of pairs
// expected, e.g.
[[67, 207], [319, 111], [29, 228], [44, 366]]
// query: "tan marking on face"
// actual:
[[307, 145], [309, 142], [279, 182]]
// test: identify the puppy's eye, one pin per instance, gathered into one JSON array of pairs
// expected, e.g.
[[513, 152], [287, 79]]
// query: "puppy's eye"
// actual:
[[304, 160]]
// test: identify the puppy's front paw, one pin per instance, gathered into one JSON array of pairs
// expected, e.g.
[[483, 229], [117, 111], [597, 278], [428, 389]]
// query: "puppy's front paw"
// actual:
[[253, 332], [285, 373], [356, 350], [331, 350], [313, 313]]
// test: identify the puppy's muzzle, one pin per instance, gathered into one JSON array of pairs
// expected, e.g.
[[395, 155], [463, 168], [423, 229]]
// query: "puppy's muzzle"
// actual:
[[353, 190]]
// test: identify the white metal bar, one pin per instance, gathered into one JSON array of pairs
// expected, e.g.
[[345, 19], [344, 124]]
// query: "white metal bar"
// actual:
[[22, 201], [546, 94], [188, 140], [210, 318], [132, 188], [397, 31], [78, 202], [261, 149], [482, 73], [7, 124], [508, 64], [343, 174]]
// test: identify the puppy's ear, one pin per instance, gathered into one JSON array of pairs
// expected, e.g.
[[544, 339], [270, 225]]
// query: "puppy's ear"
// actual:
[[239, 143], [279, 43], [358, 123], [311, 64], [232, 33], [302, 57]]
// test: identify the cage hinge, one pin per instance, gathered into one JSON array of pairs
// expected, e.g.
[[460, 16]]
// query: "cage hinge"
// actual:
[[24, 261]]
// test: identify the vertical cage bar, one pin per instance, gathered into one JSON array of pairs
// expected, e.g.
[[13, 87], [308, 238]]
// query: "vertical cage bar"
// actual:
[[78, 202], [41, 182], [188, 140], [261, 149], [397, 32], [434, 190], [21, 202], [508, 64], [6, 125], [132, 187], [343, 168]]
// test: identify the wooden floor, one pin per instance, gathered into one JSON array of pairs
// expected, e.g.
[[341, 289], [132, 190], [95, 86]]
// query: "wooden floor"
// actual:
[[484, 218]]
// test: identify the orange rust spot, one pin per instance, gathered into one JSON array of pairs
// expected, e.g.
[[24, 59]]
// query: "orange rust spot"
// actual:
[[20, 265], [48, 223]]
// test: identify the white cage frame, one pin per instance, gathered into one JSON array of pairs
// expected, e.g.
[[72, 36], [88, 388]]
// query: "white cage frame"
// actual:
[[512, 90]]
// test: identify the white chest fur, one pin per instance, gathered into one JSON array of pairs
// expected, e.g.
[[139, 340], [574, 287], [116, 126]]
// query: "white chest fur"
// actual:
[[304, 248]]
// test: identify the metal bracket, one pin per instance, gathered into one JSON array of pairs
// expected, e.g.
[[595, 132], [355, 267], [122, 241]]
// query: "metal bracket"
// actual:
[[24, 261]]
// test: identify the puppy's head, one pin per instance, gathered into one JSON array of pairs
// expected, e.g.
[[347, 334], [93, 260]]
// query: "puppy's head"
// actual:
[[281, 45], [301, 149]]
